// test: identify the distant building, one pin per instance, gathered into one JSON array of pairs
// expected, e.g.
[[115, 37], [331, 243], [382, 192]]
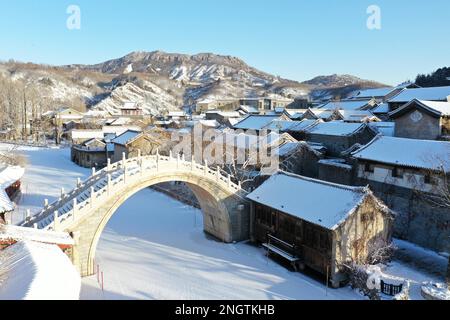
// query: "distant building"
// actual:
[[92, 153], [131, 142], [409, 176], [255, 122], [356, 116], [419, 119], [322, 114], [382, 94], [338, 136], [63, 115], [318, 225], [131, 109], [350, 104]]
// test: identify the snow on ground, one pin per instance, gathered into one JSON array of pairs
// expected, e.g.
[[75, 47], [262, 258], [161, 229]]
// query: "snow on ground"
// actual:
[[48, 171], [31, 270], [159, 251], [154, 248]]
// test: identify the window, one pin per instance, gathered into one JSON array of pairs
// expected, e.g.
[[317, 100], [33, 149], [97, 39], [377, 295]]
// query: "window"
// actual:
[[397, 173], [369, 167], [429, 179]]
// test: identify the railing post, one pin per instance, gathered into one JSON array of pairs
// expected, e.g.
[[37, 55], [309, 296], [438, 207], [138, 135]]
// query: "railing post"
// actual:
[[92, 196], [93, 171], [108, 187], [62, 193], [55, 221], [229, 180], [157, 161], [124, 159], [45, 203], [205, 169], [108, 164], [218, 174], [192, 163], [74, 209], [78, 182]]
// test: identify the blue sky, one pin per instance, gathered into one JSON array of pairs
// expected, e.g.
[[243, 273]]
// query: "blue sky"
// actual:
[[295, 39]]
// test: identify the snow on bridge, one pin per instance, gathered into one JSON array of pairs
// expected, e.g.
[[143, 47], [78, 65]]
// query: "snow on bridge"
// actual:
[[85, 211]]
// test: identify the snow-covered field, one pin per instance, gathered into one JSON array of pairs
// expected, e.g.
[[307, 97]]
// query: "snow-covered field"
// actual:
[[154, 248]]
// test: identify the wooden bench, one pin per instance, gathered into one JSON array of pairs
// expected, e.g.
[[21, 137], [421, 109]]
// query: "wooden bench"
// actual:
[[279, 251]]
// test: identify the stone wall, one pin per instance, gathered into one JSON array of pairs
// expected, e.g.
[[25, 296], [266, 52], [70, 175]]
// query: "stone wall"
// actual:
[[425, 127]]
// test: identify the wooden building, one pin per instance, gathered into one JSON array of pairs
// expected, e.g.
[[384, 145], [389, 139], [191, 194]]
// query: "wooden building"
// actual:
[[318, 225], [93, 153]]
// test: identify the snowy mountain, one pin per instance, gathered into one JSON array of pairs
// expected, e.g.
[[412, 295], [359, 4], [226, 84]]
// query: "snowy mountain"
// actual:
[[161, 81]]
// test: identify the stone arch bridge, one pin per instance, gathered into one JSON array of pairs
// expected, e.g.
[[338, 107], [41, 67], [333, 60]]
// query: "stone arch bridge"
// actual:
[[85, 211]]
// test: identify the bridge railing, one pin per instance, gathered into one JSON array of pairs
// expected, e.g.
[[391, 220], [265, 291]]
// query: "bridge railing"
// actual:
[[100, 185]]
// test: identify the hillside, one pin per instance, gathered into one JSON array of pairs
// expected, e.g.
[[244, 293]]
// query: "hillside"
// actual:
[[162, 82]]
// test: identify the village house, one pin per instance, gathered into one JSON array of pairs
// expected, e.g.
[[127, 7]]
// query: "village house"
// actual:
[[222, 117], [63, 115], [419, 119], [131, 143], [9, 188], [294, 114], [131, 109], [176, 116], [381, 111], [356, 116], [383, 94], [264, 104], [318, 225], [255, 122], [427, 94], [320, 114], [300, 158], [338, 136], [92, 153], [410, 176], [353, 104]]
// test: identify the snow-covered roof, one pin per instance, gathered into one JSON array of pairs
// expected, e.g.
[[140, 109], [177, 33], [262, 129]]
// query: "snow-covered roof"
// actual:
[[374, 93], [8, 175], [436, 108], [322, 203], [16, 233], [336, 128], [381, 108], [295, 113], [86, 134], [385, 128], [37, 271], [255, 122], [357, 115], [423, 154], [249, 109], [129, 106], [126, 137], [432, 93], [177, 114], [346, 104], [304, 125], [280, 125]]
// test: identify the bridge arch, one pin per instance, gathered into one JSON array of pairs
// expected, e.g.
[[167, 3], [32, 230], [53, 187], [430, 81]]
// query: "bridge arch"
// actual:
[[223, 204]]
